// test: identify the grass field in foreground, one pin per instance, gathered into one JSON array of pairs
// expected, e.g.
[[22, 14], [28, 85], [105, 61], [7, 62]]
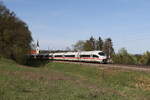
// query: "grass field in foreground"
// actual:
[[59, 81]]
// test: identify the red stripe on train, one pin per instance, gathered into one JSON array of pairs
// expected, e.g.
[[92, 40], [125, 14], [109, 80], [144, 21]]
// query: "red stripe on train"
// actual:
[[73, 58]]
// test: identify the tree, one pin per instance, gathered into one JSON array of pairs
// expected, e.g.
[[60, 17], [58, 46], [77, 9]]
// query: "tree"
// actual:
[[99, 44], [93, 43], [108, 47], [79, 46], [15, 37], [88, 46]]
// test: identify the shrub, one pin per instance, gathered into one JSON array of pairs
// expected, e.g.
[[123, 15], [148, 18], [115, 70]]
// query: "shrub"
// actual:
[[145, 59], [123, 57]]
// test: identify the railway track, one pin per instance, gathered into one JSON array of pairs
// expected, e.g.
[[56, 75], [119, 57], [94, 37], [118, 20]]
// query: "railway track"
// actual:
[[128, 67]]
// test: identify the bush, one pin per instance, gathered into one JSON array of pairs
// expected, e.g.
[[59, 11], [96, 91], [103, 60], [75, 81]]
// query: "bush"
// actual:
[[123, 57], [145, 59], [37, 62]]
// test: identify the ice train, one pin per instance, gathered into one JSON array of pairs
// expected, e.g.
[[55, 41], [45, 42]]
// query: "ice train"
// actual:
[[81, 56]]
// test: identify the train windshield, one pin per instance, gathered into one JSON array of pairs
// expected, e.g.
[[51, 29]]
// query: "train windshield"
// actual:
[[102, 54]]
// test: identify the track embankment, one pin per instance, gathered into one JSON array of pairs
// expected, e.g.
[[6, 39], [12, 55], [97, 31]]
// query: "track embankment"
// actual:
[[128, 67]]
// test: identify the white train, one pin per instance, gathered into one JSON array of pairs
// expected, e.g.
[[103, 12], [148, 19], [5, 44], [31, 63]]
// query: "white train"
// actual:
[[85, 56]]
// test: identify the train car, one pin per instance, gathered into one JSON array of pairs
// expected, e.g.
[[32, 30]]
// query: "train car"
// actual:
[[93, 56], [58, 56], [82, 56], [50, 56], [86, 56], [71, 56]]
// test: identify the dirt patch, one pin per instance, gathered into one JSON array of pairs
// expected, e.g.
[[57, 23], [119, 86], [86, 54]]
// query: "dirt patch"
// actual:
[[143, 83]]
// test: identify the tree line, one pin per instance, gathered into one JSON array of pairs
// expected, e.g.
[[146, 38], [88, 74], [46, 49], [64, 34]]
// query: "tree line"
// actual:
[[123, 57], [95, 44], [106, 45], [15, 36]]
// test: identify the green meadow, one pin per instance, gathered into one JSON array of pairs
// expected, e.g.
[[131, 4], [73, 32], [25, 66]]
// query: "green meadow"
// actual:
[[60, 81]]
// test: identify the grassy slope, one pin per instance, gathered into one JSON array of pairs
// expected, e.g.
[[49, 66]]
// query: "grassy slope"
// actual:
[[58, 81]]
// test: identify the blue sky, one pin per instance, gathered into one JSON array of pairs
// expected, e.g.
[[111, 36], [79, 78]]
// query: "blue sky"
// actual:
[[58, 24]]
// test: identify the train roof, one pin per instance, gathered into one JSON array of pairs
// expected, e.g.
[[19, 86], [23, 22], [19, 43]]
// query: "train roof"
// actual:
[[59, 53], [72, 53], [96, 51], [80, 52]]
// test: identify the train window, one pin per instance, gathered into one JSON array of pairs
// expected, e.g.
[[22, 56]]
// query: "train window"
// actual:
[[46, 55], [58, 55], [50, 55], [69, 55], [101, 54], [84, 56], [95, 56]]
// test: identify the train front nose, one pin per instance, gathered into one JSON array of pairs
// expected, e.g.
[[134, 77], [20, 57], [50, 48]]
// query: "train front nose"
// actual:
[[104, 59]]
